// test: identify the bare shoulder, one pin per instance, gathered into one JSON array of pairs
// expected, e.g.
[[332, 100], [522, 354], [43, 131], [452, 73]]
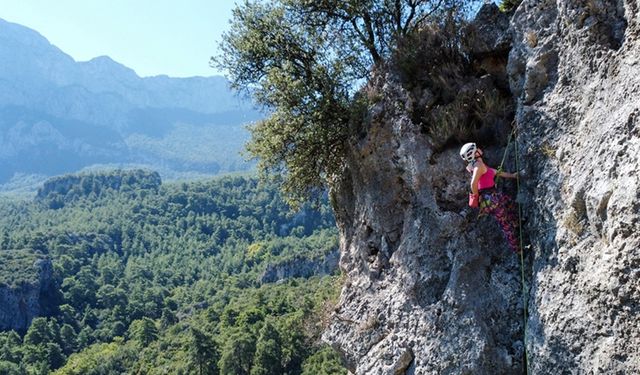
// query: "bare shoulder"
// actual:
[[480, 166]]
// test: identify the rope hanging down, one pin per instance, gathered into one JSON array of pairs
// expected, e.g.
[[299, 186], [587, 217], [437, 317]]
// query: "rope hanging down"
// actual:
[[524, 285], [506, 149]]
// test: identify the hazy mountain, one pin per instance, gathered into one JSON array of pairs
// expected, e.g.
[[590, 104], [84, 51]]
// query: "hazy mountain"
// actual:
[[58, 115]]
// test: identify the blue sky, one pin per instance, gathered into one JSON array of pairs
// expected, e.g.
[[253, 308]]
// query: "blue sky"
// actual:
[[173, 37]]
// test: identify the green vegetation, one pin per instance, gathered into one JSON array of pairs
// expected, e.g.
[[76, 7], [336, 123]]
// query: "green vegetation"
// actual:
[[18, 267], [454, 99], [61, 190], [303, 61], [163, 279], [509, 5]]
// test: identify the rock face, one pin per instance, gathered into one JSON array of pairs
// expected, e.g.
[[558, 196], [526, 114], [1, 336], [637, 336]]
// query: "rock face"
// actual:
[[301, 267], [27, 295], [432, 289], [428, 291], [580, 136]]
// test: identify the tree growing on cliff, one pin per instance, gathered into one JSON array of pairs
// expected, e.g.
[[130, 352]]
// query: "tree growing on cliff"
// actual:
[[303, 60], [509, 5]]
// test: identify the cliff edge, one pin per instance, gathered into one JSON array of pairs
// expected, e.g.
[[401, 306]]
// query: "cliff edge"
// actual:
[[433, 289], [27, 292]]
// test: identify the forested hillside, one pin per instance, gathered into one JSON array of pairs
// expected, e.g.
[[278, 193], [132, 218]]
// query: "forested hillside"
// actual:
[[155, 278]]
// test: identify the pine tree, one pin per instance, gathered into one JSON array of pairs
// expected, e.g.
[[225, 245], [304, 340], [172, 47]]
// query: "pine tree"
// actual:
[[143, 331], [38, 332], [68, 339], [203, 352], [237, 355], [268, 355]]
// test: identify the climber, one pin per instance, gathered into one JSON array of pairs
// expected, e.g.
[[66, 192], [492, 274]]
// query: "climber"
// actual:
[[491, 200]]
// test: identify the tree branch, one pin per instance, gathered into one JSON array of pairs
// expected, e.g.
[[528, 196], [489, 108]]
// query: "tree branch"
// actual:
[[371, 38]]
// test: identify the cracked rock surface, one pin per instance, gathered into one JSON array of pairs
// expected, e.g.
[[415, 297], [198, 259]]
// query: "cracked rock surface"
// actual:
[[432, 289], [580, 136]]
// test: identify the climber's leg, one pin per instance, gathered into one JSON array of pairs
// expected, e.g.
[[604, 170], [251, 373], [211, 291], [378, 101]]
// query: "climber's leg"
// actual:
[[501, 207], [507, 217]]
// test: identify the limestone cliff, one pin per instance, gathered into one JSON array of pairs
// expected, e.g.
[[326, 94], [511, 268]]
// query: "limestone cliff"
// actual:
[[431, 288], [300, 266], [575, 70], [26, 289]]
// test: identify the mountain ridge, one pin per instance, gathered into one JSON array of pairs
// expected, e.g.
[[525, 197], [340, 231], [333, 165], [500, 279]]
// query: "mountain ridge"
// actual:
[[41, 87]]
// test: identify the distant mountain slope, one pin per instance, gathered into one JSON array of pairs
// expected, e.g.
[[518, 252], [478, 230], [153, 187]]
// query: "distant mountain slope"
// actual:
[[58, 115]]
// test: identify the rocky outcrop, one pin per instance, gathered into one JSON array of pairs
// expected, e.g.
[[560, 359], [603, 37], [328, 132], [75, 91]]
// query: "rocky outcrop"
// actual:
[[27, 294], [576, 71], [432, 289], [428, 291], [301, 267]]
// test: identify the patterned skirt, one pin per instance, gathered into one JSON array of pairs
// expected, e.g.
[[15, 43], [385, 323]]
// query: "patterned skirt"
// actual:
[[502, 207]]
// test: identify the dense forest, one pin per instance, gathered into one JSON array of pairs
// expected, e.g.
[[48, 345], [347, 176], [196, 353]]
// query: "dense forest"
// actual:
[[153, 278]]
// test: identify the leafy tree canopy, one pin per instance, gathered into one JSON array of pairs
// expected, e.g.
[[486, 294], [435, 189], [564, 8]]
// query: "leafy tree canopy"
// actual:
[[303, 60]]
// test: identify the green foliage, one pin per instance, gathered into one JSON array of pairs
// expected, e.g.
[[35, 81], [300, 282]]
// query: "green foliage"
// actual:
[[453, 100], [59, 191], [10, 368], [98, 359], [10, 343], [237, 354], [164, 280], [509, 5], [302, 60], [19, 268], [68, 339], [203, 352], [38, 332], [268, 352], [433, 58], [55, 358], [323, 362], [143, 331]]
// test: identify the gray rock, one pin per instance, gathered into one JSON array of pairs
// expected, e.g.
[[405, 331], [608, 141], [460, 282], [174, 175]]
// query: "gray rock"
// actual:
[[451, 293], [444, 296], [491, 31], [584, 193], [300, 267], [26, 296]]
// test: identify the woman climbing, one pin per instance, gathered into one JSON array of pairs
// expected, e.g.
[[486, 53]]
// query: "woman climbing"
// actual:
[[491, 200]]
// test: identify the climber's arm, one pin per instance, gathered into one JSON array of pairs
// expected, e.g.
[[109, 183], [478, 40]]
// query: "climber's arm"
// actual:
[[507, 175], [478, 171]]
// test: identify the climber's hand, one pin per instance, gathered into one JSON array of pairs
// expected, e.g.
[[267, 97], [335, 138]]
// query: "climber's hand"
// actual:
[[521, 173], [474, 199]]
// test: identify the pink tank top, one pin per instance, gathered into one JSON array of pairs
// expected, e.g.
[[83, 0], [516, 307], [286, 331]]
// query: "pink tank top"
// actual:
[[486, 181]]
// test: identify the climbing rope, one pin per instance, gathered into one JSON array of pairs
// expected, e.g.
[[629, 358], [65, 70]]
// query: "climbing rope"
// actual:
[[506, 149], [524, 284], [523, 280]]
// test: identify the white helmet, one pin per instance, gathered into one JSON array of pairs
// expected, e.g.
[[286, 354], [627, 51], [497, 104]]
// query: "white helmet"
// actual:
[[468, 152]]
